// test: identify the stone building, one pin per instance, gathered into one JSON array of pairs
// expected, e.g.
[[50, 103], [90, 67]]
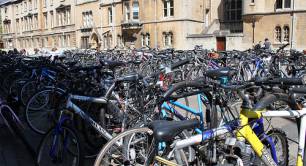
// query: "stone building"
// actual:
[[141, 23], [239, 24], [281, 21], [181, 24], [38, 23]]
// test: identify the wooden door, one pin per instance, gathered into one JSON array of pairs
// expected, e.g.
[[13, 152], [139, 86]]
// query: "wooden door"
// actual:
[[221, 43]]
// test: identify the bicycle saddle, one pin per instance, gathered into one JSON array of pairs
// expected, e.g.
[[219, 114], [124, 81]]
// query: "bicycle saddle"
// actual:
[[221, 72], [112, 64], [166, 130]]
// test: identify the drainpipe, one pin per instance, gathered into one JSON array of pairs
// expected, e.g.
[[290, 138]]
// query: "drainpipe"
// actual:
[[113, 22], [155, 2], [292, 24]]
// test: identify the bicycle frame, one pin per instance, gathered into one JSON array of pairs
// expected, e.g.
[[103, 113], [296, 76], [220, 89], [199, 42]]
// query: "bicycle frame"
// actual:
[[198, 112], [246, 132]]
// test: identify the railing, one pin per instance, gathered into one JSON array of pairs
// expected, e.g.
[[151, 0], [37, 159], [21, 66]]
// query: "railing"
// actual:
[[232, 26], [133, 24]]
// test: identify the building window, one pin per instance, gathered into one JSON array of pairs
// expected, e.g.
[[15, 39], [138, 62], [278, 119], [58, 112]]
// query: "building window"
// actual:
[[278, 34], [287, 4], [17, 10], [88, 19], [36, 21], [63, 16], [51, 2], [145, 40], [279, 4], [30, 4], [233, 10], [17, 24], [286, 33], [21, 8], [110, 15], [31, 22], [119, 41], [35, 4], [168, 39], [135, 10], [52, 19], [45, 3], [46, 20], [25, 24], [127, 11], [168, 8], [85, 42], [25, 6], [283, 4], [68, 41]]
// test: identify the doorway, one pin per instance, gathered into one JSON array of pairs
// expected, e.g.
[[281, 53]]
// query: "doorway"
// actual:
[[221, 43]]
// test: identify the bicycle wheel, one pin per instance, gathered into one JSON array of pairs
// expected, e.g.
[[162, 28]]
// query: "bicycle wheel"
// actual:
[[281, 145], [112, 154], [27, 90], [280, 141], [60, 147], [41, 109], [137, 147]]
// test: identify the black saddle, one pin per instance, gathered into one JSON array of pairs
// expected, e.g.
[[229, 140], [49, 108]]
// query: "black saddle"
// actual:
[[166, 130], [222, 72], [112, 64]]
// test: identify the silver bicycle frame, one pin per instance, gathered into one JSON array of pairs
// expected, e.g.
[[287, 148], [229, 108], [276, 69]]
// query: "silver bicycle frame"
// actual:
[[301, 114]]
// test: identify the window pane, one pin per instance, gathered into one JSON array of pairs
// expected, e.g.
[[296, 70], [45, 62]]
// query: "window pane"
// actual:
[[278, 34], [135, 10], [279, 4], [287, 3], [171, 12], [286, 33]]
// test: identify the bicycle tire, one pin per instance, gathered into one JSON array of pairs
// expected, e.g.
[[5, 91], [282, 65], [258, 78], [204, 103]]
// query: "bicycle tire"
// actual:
[[76, 141], [48, 122], [284, 143], [112, 143]]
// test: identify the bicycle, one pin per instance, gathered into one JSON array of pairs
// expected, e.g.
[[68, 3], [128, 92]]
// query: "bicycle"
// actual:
[[251, 139]]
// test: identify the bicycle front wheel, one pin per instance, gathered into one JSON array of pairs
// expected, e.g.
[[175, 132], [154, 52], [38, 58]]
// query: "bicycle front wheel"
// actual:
[[115, 151], [60, 147]]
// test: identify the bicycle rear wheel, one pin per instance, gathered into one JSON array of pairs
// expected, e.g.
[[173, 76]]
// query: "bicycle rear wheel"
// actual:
[[112, 154], [60, 147], [137, 147], [41, 109]]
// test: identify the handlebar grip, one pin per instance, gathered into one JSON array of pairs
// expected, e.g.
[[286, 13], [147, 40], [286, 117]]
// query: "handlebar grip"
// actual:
[[179, 63], [288, 81], [301, 90], [196, 84], [281, 81]]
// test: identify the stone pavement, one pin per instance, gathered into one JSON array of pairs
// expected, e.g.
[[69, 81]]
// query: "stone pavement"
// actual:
[[12, 151]]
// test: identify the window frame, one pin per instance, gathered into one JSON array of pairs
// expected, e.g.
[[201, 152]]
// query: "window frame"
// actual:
[[135, 10], [110, 15], [286, 35], [278, 34], [168, 9]]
